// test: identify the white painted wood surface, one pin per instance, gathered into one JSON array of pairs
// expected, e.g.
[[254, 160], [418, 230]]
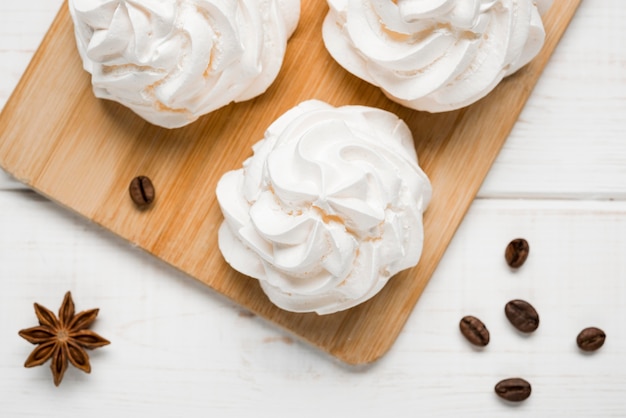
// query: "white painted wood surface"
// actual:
[[179, 350]]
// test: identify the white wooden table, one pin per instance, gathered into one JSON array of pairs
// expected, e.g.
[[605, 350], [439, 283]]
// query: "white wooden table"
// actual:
[[178, 349]]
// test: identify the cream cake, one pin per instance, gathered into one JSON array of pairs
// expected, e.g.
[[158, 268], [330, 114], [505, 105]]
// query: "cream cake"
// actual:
[[327, 209], [434, 55], [173, 61]]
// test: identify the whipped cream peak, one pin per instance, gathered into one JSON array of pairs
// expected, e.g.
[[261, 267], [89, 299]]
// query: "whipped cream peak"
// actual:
[[172, 61], [434, 55], [327, 209]]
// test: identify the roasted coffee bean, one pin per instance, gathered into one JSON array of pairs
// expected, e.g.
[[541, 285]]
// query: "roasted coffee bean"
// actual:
[[522, 315], [516, 252], [474, 330], [141, 191], [514, 389], [590, 339]]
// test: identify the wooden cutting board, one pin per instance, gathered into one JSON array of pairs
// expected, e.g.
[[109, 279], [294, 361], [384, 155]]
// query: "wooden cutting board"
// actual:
[[82, 153]]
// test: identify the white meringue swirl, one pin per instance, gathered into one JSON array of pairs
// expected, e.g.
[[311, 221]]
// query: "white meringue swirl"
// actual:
[[434, 55], [171, 61], [327, 209]]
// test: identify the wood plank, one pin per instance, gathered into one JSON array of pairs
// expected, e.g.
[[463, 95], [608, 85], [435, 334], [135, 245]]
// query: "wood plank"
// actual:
[[22, 26], [82, 153], [569, 139], [549, 153], [180, 350]]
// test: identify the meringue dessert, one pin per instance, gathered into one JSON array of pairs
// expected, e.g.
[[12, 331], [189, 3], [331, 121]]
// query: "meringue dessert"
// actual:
[[327, 209], [172, 61], [434, 55]]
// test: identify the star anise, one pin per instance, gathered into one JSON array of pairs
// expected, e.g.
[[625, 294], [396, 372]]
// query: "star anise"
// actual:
[[62, 339]]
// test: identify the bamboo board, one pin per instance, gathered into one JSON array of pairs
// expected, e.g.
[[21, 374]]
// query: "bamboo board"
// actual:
[[82, 153]]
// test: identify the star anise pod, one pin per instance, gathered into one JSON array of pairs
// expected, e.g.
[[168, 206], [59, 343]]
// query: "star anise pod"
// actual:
[[63, 338]]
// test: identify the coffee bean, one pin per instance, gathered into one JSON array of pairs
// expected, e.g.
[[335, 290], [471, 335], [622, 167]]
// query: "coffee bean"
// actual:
[[474, 330], [522, 315], [141, 191], [516, 252], [514, 389], [590, 339]]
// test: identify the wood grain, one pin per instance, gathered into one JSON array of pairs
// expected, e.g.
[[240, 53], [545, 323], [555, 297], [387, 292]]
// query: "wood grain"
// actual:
[[234, 365], [82, 153]]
